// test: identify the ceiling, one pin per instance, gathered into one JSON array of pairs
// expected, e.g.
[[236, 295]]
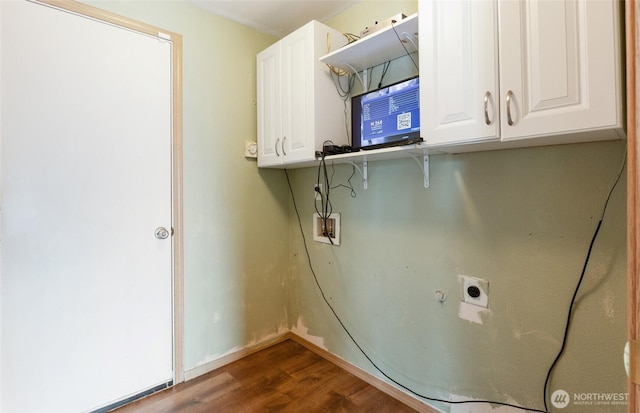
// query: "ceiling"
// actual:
[[275, 17]]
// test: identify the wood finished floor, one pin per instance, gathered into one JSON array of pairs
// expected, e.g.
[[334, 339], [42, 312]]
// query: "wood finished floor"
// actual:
[[286, 377]]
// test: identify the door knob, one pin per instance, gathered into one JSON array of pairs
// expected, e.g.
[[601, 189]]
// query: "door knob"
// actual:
[[162, 233]]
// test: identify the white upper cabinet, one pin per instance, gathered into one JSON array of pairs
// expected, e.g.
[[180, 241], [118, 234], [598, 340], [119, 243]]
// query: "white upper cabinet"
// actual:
[[269, 97], [517, 70], [560, 67], [458, 71], [298, 105]]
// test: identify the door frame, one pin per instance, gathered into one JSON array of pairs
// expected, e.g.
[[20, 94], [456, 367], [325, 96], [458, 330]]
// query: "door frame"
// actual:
[[633, 203], [176, 163]]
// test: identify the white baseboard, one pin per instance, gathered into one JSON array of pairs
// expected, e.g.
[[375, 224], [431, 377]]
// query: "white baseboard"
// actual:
[[369, 378], [230, 358]]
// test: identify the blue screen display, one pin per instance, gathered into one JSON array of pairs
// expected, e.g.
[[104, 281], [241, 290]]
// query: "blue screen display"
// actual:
[[387, 116]]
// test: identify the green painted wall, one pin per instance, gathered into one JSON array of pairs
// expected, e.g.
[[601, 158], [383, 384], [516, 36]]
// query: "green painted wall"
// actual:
[[521, 219]]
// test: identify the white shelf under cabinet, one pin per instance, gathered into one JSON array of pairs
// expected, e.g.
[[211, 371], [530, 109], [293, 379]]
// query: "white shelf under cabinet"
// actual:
[[396, 152], [377, 48], [419, 152]]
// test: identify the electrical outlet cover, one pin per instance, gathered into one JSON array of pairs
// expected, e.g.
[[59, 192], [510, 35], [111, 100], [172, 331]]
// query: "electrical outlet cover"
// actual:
[[250, 150], [334, 220], [475, 291]]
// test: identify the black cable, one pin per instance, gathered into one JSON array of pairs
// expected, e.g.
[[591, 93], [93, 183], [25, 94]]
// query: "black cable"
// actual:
[[575, 292], [325, 202], [404, 47], [350, 186], [353, 340], [385, 68], [342, 92], [345, 95]]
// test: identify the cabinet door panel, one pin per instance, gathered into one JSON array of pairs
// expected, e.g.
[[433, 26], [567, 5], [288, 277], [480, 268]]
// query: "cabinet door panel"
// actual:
[[297, 54], [556, 62], [458, 67], [269, 97], [551, 45]]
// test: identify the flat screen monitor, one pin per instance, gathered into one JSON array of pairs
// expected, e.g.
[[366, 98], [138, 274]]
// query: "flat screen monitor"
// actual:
[[389, 116]]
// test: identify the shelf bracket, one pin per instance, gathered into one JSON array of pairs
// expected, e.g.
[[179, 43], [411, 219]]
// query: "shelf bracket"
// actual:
[[355, 72], [363, 173], [365, 80], [410, 38], [424, 167]]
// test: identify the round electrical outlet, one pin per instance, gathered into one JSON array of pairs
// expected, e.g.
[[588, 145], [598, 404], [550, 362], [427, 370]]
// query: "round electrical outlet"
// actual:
[[473, 291]]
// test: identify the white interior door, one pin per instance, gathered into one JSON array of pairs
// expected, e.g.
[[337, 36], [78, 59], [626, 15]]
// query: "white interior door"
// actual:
[[86, 180]]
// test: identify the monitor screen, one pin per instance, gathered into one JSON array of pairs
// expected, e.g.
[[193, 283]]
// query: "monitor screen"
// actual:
[[388, 116]]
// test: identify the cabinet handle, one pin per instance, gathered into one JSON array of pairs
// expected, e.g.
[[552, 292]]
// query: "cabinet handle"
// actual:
[[509, 119], [277, 142], [486, 108], [284, 138]]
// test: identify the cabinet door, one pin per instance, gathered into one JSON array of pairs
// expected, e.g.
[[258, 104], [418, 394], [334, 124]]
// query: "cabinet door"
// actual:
[[297, 88], [559, 67], [269, 98], [458, 70]]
